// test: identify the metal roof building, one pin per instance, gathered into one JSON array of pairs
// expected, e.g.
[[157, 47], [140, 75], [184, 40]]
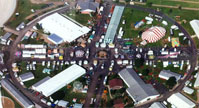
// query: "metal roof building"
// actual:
[[60, 80], [64, 27], [138, 90], [188, 90], [196, 84], [55, 39], [14, 92], [157, 105], [26, 76], [78, 105], [6, 36], [180, 101], [63, 103], [195, 25], [166, 74], [112, 28], [40, 82]]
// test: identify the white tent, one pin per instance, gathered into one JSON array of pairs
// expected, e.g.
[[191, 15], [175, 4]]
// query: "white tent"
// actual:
[[60, 80], [64, 27], [180, 101], [195, 25]]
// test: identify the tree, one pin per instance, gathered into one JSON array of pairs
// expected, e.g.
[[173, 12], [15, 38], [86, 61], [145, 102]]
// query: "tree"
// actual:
[[171, 82], [145, 72], [127, 1], [39, 27], [149, 4], [180, 7], [170, 11], [59, 95], [139, 62]]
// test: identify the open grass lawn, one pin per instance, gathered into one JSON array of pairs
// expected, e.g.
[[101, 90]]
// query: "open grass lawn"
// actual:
[[175, 3], [196, 41], [131, 16], [154, 71], [24, 9], [39, 76], [6, 94], [1, 32], [81, 18], [38, 73], [185, 15]]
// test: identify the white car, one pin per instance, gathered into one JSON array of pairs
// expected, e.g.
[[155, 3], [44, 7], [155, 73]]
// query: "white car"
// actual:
[[80, 62], [27, 67], [102, 67], [43, 63], [48, 65]]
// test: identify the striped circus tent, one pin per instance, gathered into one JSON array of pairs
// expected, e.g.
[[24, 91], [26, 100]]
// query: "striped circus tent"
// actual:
[[153, 34]]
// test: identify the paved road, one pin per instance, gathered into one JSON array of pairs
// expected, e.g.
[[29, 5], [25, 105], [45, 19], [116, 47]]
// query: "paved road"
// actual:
[[99, 32]]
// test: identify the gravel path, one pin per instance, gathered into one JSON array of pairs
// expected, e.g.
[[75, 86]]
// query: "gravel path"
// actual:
[[7, 8]]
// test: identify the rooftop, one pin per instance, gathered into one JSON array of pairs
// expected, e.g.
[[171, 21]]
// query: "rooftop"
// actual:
[[22, 99], [113, 25], [180, 101], [63, 26], [55, 39], [26, 76], [138, 90], [60, 80], [6, 36]]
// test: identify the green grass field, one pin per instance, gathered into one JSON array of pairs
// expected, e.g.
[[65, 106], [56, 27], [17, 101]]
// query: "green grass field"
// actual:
[[1, 32], [38, 73], [175, 3], [81, 18], [24, 9], [6, 94], [131, 16]]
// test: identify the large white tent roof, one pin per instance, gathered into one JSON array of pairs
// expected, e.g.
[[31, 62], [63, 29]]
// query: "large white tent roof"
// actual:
[[64, 27], [180, 101], [60, 80], [195, 25]]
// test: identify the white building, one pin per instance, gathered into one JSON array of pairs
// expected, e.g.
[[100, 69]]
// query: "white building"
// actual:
[[188, 90], [196, 84], [60, 80], [195, 25], [16, 94], [64, 27], [137, 89], [157, 105], [26, 76], [180, 101], [34, 86], [63, 103], [166, 74]]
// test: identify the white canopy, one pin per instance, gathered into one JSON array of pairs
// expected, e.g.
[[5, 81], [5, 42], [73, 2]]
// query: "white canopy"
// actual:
[[60, 80], [64, 27]]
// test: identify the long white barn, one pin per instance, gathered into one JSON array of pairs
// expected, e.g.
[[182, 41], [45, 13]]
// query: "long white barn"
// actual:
[[64, 27], [60, 80]]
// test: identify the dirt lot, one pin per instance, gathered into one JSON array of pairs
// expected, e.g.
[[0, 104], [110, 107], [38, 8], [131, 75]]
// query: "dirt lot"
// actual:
[[7, 102]]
